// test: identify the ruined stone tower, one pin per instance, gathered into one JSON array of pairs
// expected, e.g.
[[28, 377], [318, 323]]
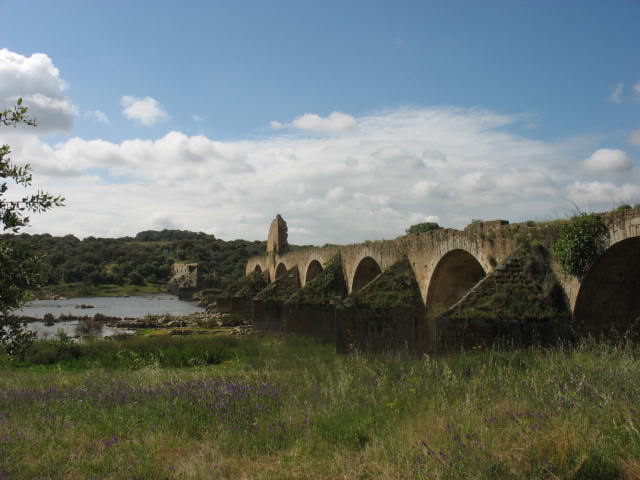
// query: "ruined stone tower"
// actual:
[[277, 241]]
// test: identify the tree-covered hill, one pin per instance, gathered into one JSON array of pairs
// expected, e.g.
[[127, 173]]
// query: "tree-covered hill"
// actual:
[[88, 266]]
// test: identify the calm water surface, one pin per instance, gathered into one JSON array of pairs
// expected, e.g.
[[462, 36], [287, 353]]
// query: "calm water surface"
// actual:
[[134, 306]]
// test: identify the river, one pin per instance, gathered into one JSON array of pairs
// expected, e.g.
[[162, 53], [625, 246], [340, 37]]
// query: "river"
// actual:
[[123, 307], [135, 306]]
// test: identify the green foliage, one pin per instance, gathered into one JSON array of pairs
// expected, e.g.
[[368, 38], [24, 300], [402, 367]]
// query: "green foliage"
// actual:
[[296, 410], [624, 206], [13, 213], [137, 351], [327, 288], [20, 268], [247, 286], [423, 227], [102, 264], [396, 287], [526, 307], [282, 289], [581, 242]]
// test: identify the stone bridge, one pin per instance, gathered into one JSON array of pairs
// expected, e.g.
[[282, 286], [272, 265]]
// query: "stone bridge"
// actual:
[[447, 264]]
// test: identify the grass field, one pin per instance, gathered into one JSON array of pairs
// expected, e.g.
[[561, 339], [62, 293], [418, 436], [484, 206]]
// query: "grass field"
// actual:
[[266, 408]]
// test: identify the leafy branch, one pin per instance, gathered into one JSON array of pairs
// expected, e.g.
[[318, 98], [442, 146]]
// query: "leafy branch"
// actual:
[[13, 213]]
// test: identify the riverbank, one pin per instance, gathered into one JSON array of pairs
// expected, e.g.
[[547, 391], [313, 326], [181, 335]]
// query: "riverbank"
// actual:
[[81, 289], [102, 326], [263, 408]]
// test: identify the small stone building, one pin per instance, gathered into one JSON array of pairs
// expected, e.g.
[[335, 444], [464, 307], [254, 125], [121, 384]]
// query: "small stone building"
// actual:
[[184, 281]]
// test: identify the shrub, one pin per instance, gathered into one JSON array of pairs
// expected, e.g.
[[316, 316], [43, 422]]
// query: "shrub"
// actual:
[[423, 227], [137, 351], [581, 243]]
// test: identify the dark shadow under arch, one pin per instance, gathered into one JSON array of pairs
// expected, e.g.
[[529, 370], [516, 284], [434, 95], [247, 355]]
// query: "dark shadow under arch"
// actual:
[[367, 270], [281, 270], [313, 270], [609, 298], [257, 269], [454, 275]]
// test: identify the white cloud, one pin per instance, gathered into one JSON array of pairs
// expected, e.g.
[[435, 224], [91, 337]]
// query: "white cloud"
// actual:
[[161, 222], [636, 89], [422, 188], [634, 138], [146, 111], [421, 218], [336, 193], [399, 167], [589, 195], [336, 122], [371, 177], [616, 93], [37, 81], [99, 116], [607, 160], [198, 118]]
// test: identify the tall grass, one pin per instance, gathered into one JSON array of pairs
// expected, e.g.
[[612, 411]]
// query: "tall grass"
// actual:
[[131, 352], [296, 410]]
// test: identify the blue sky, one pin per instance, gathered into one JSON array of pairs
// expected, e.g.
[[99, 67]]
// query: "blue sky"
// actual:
[[225, 87]]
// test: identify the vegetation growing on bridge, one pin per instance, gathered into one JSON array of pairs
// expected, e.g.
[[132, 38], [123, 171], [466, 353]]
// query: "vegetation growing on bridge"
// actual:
[[423, 227], [582, 241], [327, 288], [520, 301], [396, 287], [282, 289], [247, 286]]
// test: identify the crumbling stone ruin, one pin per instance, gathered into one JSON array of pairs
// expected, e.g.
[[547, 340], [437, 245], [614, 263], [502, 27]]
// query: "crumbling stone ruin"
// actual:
[[277, 243], [184, 281]]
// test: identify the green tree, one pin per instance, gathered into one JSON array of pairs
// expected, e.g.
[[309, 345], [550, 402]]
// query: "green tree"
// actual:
[[423, 227], [20, 265]]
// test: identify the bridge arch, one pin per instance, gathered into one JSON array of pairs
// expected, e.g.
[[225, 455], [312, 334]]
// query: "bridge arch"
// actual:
[[455, 273], [256, 265], [608, 298], [313, 270], [366, 271], [281, 270]]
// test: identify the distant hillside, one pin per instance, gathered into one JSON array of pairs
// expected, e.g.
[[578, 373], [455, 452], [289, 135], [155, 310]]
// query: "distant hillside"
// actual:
[[135, 265]]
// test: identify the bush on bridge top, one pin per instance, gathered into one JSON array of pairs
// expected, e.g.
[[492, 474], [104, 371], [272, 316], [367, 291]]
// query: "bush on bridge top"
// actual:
[[582, 241], [423, 227]]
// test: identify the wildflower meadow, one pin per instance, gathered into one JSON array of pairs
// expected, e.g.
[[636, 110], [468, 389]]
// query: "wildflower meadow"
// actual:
[[292, 409]]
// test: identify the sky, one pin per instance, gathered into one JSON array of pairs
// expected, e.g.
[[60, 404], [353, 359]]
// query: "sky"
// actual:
[[352, 119]]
